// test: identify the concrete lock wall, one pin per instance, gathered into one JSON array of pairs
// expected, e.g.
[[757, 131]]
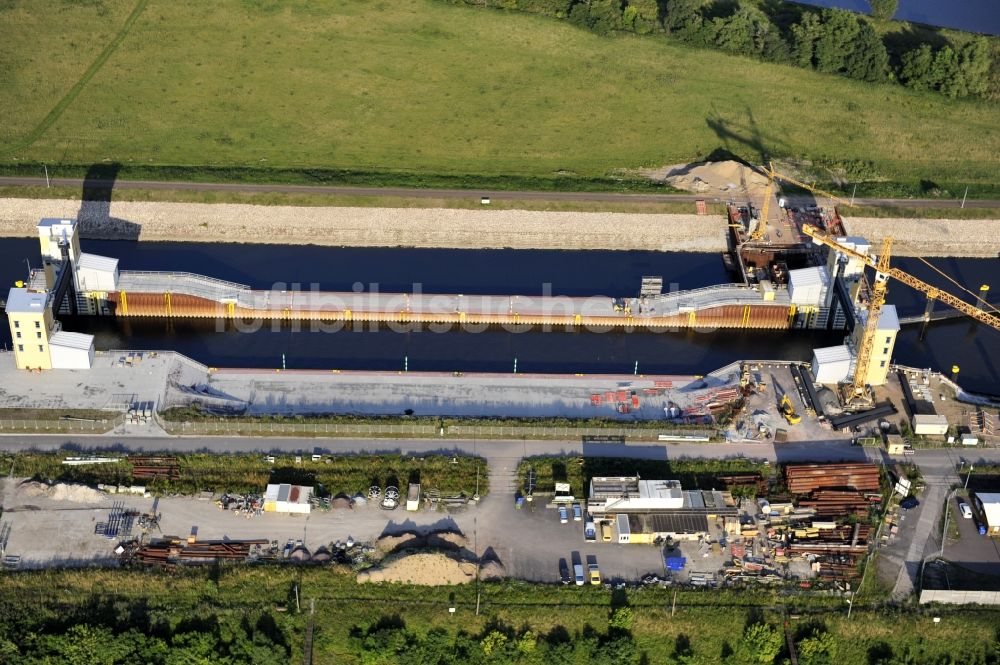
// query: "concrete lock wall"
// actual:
[[959, 597]]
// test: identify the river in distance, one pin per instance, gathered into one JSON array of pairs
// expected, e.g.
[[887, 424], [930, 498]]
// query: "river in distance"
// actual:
[[571, 273], [982, 16]]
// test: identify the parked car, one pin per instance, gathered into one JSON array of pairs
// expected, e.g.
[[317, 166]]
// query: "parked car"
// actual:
[[909, 503], [563, 571], [563, 515], [577, 512], [578, 574], [595, 574], [963, 508], [589, 531]]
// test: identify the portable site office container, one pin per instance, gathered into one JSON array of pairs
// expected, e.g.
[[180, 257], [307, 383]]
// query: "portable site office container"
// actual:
[[624, 532]]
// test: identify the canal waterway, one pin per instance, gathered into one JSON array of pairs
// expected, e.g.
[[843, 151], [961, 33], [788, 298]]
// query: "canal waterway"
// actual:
[[982, 16], [973, 347]]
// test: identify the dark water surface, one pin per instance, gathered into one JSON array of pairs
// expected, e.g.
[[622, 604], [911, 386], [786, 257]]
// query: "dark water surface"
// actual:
[[974, 348], [981, 16]]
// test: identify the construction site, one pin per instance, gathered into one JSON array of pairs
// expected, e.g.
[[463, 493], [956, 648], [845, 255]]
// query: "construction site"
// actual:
[[803, 524], [794, 266]]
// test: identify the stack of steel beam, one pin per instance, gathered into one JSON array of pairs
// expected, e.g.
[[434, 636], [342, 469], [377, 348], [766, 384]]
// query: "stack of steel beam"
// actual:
[[806, 478]]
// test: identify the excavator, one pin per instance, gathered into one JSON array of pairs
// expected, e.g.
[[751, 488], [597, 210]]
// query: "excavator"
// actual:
[[788, 411]]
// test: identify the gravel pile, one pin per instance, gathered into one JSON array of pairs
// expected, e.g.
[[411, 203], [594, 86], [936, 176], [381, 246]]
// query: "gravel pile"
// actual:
[[726, 179], [373, 227], [930, 237], [427, 568], [62, 492]]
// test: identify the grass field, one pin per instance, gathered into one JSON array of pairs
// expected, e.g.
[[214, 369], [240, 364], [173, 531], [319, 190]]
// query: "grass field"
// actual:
[[417, 91], [706, 619]]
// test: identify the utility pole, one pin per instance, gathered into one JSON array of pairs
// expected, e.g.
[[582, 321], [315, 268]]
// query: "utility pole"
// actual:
[[635, 372], [47, 182], [966, 487], [965, 195], [853, 193]]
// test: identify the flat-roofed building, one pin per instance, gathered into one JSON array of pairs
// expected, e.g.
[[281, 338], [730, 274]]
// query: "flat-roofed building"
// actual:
[[30, 320], [285, 498]]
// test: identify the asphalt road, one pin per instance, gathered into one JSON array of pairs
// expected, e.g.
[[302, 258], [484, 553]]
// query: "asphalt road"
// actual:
[[488, 448], [933, 462], [447, 193]]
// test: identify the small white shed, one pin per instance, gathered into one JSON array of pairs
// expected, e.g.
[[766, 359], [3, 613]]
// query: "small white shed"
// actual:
[[808, 286], [831, 364], [96, 273], [285, 498], [930, 424], [69, 350]]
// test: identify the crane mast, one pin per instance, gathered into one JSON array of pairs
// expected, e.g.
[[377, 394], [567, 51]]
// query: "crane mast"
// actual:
[[855, 391]]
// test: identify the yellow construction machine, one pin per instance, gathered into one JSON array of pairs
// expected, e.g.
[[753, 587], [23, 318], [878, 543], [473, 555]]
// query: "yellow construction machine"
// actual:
[[788, 411]]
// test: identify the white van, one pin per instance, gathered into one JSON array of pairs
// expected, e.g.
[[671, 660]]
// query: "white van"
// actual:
[[963, 508], [578, 574]]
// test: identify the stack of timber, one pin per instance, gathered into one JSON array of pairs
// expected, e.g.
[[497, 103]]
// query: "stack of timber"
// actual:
[[149, 467], [807, 478]]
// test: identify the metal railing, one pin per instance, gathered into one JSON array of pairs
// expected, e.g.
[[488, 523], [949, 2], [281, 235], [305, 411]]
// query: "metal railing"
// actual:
[[227, 427], [39, 426], [715, 296], [181, 282]]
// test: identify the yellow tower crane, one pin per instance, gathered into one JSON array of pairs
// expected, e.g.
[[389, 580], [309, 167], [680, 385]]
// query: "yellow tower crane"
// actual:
[[771, 174], [855, 391]]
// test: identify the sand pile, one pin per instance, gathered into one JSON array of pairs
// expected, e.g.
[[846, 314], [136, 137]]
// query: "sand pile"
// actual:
[[62, 492], [713, 179], [425, 568]]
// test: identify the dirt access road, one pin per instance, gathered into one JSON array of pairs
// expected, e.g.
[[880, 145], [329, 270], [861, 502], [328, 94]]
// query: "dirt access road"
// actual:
[[442, 193]]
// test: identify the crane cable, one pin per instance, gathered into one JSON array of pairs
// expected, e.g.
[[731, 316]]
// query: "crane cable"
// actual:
[[981, 301]]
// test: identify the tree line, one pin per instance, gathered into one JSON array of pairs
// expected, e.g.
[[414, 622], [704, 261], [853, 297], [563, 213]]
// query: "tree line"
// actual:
[[832, 41], [101, 640]]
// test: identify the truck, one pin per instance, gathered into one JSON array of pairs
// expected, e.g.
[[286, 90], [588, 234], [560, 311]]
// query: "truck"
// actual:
[[589, 532]]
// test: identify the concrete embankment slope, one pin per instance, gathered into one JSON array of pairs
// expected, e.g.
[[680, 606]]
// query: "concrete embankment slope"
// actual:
[[371, 227], [458, 228], [931, 237]]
